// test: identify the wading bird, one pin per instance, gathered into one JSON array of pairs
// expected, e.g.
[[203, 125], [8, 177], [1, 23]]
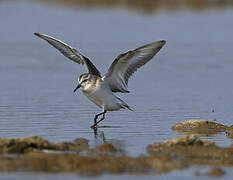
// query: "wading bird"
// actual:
[[100, 90]]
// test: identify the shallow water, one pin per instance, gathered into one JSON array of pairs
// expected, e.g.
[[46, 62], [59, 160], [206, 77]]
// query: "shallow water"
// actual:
[[191, 76]]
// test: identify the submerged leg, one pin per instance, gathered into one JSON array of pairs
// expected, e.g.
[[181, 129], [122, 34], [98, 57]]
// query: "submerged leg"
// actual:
[[96, 117]]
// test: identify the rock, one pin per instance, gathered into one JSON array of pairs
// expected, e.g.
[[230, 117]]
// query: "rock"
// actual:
[[229, 132], [83, 165], [193, 150], [215, 172], [81, 142], [39, 155], [36, 143], [35, 154], [182, 141], [190, 140], [105, 148], [197, 126]]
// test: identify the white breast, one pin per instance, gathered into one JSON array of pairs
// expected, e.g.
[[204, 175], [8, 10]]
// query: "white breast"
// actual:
[[103, 97]]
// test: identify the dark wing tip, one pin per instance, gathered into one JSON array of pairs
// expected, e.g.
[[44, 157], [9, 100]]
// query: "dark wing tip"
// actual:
[[158, 45], [37, 34], [163, 42], [43, 36]]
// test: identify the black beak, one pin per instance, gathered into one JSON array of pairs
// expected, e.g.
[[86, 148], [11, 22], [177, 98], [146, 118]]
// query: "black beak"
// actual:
[[77, 88]]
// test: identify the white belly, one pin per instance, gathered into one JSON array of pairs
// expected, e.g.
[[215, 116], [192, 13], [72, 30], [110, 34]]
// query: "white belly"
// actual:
[[104, 98]]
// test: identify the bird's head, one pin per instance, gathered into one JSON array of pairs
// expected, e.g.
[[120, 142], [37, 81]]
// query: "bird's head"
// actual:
[[83, 81]]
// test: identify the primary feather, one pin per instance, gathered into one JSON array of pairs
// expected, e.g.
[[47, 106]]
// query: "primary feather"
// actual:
[[126, 64], [70, 52]]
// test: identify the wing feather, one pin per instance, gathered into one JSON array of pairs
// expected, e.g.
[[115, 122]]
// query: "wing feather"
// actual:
[[126, 64], [70, 53]]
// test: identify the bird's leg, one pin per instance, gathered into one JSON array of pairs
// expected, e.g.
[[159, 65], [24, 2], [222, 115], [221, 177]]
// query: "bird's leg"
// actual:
[[94, 126], [101, 118], [96, 117]]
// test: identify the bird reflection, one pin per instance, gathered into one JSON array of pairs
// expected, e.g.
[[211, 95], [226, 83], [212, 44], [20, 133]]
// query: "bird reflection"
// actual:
[[100, 139]]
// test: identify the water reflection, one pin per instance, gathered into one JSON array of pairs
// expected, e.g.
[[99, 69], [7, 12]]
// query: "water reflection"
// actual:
[[100, 139], [148, 6]]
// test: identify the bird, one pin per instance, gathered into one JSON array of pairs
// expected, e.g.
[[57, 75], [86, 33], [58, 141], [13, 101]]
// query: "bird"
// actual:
[[101, 89]]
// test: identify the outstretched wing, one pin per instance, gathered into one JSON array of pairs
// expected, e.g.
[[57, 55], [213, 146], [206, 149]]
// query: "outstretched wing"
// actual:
[[70, 52], [126, 64]]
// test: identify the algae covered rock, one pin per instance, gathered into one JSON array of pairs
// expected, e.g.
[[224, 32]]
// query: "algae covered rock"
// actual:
[[193, 150], [82, 165], [35, 154], [22, 145], [197, 126], [182, 141], [104, 148], [215, 172], [37, 143], [190, 140], [229, 131]]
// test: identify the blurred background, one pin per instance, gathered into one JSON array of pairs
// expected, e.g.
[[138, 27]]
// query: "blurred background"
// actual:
[[191, 77], [148, 6]]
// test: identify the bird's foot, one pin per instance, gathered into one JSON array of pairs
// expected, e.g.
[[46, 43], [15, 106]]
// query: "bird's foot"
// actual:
[[94, 126]]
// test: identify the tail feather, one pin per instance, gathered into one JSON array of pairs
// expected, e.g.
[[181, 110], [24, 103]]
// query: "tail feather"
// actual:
[[124, 105], [129, 108]]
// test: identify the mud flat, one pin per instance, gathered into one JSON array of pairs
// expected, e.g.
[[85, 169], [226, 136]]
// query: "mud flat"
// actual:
[[36, 154]]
